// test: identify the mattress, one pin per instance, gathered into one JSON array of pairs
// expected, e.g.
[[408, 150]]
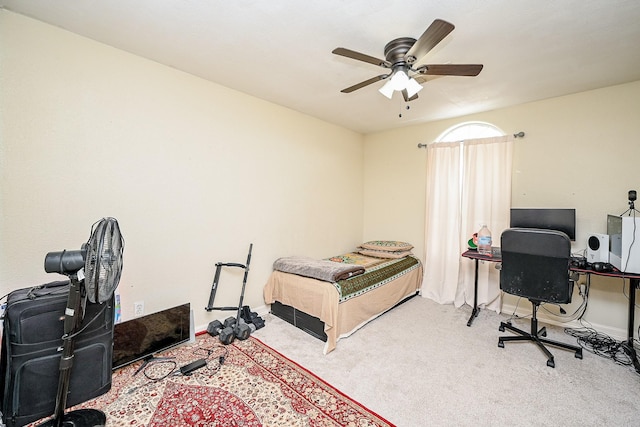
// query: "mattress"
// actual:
[[345, 306]]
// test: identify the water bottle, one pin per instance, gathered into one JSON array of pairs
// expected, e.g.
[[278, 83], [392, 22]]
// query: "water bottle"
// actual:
[[484, 241]]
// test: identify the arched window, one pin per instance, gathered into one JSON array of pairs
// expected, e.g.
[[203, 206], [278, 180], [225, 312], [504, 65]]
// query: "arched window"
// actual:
[[469, 130]]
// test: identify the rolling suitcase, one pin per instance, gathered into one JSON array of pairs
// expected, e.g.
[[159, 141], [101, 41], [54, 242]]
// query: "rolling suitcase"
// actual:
[[33, 326]]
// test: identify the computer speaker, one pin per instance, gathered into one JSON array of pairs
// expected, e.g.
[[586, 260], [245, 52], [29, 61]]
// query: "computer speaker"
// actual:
[[598, 248]]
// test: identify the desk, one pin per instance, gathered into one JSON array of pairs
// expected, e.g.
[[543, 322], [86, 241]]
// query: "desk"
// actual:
[[634, 282], [474, 255]]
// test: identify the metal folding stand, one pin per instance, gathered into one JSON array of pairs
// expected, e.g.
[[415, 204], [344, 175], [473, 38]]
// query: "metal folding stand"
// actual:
[[214, 287]]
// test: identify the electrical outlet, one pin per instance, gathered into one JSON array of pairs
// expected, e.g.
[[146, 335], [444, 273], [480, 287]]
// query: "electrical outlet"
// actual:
[[138, 308]]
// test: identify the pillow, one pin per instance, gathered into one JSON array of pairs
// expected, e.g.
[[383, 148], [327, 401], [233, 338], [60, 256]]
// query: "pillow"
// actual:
[[355, 258], [387, 245], [384, 254]]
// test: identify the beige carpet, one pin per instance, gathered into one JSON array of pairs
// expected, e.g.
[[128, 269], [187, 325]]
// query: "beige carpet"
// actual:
[[420, 365]]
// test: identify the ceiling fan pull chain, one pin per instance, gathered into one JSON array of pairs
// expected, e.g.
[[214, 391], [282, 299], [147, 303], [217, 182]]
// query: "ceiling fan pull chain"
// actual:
[[406, 107]]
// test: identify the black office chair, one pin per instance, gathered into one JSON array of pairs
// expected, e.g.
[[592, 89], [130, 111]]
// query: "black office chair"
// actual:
[[535, 265]]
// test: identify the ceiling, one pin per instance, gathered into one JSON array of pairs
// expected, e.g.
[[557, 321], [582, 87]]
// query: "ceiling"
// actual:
[[280, 50]]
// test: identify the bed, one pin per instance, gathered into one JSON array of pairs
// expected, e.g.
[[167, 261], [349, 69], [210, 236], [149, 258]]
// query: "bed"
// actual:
[[357, 287]]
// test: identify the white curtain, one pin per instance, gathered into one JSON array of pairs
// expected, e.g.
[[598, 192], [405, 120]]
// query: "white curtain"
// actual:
[[468, 185]]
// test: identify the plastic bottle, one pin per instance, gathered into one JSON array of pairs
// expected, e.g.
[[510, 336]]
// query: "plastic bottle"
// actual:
[[118, 310], [484, 241]]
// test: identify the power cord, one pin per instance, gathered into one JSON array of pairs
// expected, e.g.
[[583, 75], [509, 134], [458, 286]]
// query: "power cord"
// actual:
[[600, 344], [514, 314], [576, 315], [218, 354], [632, 211], [158, 369]]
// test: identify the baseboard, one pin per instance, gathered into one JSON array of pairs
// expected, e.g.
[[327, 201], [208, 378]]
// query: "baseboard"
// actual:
[[262, 311], [615, 333]]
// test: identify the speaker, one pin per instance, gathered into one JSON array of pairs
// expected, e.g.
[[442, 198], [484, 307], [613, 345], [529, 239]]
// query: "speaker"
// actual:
[[598, 248]]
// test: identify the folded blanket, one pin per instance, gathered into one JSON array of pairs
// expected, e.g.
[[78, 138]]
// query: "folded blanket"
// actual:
[[327, 271]]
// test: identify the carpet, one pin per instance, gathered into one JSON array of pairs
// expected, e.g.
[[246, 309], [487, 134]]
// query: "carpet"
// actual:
[[254, 386]]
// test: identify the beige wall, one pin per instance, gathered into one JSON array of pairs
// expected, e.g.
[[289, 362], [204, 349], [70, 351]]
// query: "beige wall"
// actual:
[[193, 171], [580, 151]]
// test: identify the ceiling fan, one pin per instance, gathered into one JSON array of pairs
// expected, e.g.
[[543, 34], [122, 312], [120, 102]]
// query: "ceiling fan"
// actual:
[[402, 55]]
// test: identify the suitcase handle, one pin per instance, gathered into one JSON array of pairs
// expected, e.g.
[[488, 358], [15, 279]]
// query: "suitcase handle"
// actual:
[[52, 288]]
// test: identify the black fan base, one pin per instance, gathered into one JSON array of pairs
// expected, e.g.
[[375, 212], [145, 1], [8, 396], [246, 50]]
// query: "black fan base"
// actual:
[[79, 418]]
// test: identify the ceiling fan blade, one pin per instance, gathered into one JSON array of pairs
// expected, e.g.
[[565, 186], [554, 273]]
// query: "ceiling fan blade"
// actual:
[[361, 57], [365, 83], [451, 69], [405, 95], [423, 78], [437, 31]]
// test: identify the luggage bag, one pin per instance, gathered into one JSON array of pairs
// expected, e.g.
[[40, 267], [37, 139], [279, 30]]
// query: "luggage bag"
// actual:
[[33, 326]]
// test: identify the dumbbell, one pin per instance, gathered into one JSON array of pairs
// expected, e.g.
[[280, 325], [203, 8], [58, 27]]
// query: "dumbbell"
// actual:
[[245, 330], [258, 322], [252, 317], [227, 335], [223, 330], [214, 328]]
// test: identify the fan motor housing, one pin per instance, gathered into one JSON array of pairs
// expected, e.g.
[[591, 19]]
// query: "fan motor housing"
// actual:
[[396, 49]]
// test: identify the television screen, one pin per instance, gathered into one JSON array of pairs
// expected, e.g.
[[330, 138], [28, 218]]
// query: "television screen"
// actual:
[[143, 336], [550, 219]]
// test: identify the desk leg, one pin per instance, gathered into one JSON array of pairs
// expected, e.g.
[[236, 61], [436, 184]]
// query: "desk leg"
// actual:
[[475, 311], [628, 345]]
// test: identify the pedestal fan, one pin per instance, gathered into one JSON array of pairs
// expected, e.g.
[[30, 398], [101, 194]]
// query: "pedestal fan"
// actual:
[[94, 272]]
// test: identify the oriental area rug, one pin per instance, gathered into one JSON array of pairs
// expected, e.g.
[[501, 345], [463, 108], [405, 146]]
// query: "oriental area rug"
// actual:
[[253, 386]]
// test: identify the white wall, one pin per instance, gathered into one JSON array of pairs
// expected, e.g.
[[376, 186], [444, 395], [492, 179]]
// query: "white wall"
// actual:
[[580, 151], [193, 171]]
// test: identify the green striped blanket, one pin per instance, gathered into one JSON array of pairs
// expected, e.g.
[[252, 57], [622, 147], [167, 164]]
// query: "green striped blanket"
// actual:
[[375, 277]]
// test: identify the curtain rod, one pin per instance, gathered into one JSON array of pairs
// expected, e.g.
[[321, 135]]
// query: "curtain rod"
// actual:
[[515, 135]]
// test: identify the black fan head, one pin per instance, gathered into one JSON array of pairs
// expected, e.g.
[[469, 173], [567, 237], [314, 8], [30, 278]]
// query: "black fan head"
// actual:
[[103, 264]]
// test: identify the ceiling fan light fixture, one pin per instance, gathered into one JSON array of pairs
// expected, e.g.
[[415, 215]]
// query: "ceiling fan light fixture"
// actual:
[[387, 89], [399, 80], [413, 87]]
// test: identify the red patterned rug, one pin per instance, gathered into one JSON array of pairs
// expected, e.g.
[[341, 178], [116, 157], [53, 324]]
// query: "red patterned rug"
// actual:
[[254, 386]]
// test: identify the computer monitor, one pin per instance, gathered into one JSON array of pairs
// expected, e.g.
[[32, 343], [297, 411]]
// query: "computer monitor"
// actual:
[[550, 219]]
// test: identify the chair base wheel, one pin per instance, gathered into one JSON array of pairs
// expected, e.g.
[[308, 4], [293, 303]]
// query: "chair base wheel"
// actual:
[[537, 336]]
